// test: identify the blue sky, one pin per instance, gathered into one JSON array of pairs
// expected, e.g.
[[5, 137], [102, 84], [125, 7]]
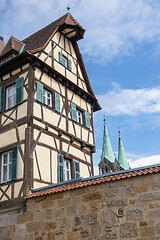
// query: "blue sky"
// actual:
[[121, 50]]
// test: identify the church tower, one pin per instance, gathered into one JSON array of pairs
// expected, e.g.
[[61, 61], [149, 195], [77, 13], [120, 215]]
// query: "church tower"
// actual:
[[46, 111], [108, 162]]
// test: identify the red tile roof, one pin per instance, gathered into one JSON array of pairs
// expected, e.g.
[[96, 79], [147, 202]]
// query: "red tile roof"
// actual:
[[39, 39], [98, 180], [12, 44]]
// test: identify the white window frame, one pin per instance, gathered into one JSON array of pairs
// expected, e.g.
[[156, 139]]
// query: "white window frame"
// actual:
[[79, 116], [67, 170], [7, 165], [64, 61], [12, 96], [47, 95]]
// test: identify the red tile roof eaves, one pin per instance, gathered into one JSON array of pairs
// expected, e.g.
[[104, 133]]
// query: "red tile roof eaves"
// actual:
[[96, 181]]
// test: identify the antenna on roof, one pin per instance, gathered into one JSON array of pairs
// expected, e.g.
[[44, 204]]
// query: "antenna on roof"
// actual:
[[68, 9]]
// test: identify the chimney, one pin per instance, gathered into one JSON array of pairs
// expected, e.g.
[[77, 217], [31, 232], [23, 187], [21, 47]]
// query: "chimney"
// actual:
[[1, 44]]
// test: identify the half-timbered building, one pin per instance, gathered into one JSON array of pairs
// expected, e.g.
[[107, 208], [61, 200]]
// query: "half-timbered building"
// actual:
[[46, 110]]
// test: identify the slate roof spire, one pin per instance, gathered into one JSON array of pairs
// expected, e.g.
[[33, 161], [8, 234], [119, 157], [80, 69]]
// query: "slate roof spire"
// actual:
[[107, 151], [121, 155]]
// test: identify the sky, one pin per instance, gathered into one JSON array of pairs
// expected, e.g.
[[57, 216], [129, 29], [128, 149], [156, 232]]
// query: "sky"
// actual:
[[121, 51]]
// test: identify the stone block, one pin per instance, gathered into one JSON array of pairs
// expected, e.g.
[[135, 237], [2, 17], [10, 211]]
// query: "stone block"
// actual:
[[91, 218], [64, 202], [51, 236], [128, 230], [110, 193], [77, 192], [77, 221], [143, 223], [147, 197], [26, 217], [155, 187], [117, 202], [85, 234], [109, 216], [49, 213], [55, 196], [147, 231], [35, 226], [140, 189], [70, 236], [134, 214], [50, 225], [94, 207], [153, 214], [82, 209], [71, 210], [48, 204], [128, 190], [92, 197]]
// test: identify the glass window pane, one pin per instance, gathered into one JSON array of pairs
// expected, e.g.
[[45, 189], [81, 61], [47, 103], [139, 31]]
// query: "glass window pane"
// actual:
[[5, 159], [10, 156], [10, 171], [4, 173]]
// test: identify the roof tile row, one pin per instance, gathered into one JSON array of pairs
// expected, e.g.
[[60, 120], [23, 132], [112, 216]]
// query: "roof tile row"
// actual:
[[94, 181]]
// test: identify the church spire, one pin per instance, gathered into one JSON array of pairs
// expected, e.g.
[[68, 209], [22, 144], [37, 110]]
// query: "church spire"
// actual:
[[121, 155], [107, 152]]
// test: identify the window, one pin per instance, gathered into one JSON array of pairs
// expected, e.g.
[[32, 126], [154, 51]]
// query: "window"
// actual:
[[65, 61], [11, 96], [64, 169], [67, 170], [14, 94], [79, 117], [6, 166], [9, 165], [47, 98]]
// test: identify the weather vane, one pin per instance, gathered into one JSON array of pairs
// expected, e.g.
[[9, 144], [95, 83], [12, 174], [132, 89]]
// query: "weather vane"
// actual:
[[68, 9]]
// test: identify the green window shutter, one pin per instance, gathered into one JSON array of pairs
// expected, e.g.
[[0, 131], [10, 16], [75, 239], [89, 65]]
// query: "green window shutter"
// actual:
[[57, 102], [70, 65], [1, 98], [76, 169], [87, 119], [19, 90], [60, 168], [14, 162], [60, 57], [39, 92], [73, 112]]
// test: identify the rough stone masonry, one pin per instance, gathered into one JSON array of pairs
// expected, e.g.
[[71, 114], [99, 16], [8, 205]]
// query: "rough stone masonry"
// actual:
[[115, 209]]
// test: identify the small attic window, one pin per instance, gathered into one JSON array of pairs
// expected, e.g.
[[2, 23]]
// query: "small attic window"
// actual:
[[65, 61]]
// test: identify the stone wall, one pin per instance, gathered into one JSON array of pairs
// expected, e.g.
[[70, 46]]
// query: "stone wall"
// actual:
[[121, 209]]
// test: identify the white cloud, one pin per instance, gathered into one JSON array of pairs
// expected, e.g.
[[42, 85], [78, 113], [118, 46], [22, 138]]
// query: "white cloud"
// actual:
[[113, 27], [145, 161], [130, 101]]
